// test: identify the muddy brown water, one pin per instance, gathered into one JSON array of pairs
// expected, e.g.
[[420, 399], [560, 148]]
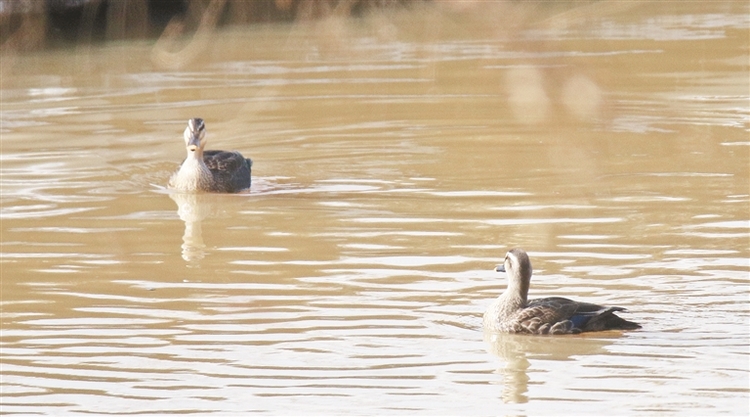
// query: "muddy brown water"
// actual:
[[397, 157]]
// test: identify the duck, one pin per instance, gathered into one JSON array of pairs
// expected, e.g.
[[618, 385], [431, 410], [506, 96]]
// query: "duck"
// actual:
[[209, 171], [512, 312]]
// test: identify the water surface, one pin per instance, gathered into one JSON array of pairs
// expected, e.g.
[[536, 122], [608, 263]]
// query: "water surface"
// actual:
[[397, 157]]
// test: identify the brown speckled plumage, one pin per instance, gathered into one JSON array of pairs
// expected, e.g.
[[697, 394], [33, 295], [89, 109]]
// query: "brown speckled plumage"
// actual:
[[513, 313], [210, 171]]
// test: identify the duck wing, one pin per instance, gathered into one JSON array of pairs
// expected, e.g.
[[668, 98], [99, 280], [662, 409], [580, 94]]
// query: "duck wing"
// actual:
[[557, 315], [230, 170], [548, 315]]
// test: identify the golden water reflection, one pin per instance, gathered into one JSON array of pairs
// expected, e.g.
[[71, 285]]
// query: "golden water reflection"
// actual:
[[396, 158], [517, 351]]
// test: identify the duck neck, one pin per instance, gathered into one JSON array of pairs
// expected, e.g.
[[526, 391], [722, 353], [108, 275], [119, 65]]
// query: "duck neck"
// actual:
[[517, 292], [196, 157], [193, 173]]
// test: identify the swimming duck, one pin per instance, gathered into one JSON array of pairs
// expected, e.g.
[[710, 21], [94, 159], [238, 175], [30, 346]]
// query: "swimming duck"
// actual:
[[512, 313], [212, 171]]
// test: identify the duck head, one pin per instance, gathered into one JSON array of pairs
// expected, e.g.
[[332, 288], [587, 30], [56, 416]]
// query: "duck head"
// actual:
[[195, 134], [518, 267]]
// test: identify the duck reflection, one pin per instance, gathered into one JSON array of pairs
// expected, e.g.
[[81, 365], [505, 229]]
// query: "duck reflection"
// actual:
[[193, 208], [509, 347], [518, 351]]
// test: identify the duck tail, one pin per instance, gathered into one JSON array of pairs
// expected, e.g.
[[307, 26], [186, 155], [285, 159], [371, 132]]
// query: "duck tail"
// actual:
[[608, 320]]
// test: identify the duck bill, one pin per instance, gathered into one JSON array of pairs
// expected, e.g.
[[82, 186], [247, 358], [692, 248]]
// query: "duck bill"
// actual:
[[194, 143], [500, 268]]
